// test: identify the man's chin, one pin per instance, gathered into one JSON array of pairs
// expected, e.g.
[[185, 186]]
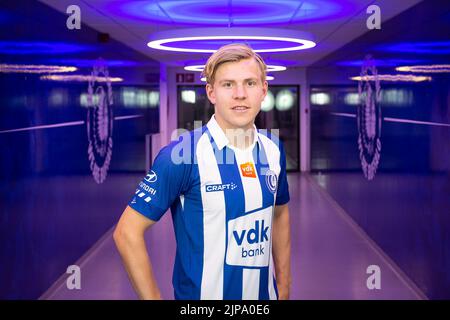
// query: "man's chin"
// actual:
[[242, 124]]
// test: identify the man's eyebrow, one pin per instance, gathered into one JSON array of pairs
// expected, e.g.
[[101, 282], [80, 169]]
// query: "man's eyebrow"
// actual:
[[229, 80]]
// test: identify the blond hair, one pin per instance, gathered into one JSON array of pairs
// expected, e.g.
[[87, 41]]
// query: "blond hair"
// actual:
[[234, 52]]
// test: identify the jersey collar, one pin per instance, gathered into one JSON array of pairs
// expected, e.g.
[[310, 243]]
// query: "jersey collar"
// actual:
[[219, 136]]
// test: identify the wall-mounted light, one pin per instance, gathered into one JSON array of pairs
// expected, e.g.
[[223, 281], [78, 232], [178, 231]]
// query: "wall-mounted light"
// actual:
[[434, 68], [32, 68], [393, 78], [80, 78]]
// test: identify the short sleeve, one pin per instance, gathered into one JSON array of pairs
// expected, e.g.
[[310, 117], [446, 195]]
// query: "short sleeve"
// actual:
[[283, 187], [164, 182]]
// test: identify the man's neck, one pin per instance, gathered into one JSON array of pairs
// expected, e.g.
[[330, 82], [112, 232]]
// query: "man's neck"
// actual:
[[240, 138]]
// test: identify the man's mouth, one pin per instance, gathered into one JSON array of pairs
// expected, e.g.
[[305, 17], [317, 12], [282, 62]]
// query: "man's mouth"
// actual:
[[240, 108]]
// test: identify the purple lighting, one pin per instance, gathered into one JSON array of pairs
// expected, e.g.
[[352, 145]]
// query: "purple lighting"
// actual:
[[230, 13], [40, 47], [425, 47]]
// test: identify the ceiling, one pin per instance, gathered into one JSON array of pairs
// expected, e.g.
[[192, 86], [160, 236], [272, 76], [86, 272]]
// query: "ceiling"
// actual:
[[332, 23]]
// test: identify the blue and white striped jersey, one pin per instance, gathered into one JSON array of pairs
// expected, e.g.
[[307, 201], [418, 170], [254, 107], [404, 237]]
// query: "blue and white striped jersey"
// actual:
[[222, 202]]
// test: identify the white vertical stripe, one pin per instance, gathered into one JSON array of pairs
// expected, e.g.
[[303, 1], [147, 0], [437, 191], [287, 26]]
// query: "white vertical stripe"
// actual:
[[272, 153], [251, 186], [250, 284], [272, 293], [273, 158], [214, 222]]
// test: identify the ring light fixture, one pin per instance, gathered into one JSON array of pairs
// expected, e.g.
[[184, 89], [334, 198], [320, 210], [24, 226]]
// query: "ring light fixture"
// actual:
[[199, 68], [209, 40]]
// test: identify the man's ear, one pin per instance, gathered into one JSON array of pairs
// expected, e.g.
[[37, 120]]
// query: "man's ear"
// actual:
[[210, 93]]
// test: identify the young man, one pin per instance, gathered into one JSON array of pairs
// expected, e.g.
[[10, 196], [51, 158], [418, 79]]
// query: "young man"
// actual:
[[228, 197]]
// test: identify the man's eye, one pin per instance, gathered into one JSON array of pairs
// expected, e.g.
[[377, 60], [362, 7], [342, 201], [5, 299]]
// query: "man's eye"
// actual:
[[252, 83], [227, 84]]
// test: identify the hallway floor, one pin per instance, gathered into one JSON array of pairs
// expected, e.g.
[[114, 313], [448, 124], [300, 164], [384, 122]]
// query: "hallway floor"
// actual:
[[330, 256]]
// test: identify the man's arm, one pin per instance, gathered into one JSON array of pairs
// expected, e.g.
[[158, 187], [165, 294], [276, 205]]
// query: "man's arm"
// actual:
[[281, 241], [129, 239]]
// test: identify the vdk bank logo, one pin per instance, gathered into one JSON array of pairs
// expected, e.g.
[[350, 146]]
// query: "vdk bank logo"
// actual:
[[249, 239]]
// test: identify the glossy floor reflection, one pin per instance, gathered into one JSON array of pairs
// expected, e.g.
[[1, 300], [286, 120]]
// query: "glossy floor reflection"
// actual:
[[330, 256]]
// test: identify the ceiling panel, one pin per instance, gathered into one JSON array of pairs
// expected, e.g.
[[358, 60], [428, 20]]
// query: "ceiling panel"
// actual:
[[332, 23]]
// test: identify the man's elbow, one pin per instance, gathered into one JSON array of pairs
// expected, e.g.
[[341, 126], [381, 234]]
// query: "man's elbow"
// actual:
[[118, 235], [121, 236]]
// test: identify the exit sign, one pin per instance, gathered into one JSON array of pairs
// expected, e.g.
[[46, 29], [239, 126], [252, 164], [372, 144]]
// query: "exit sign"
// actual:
[[185, 77]]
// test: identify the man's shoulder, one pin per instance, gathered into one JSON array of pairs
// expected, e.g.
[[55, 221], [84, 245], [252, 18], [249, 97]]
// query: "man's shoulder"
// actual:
[[270, 138]]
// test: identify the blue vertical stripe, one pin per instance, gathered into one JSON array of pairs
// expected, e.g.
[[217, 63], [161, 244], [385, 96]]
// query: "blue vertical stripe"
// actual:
[[189, 231], [234, 207]]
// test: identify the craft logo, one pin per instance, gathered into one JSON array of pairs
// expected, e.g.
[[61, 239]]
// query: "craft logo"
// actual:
[[100, 122], [248, 170], [220, 187], [369, 119]]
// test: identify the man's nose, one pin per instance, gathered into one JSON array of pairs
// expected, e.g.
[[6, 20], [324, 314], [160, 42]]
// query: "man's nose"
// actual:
[[240, 92]]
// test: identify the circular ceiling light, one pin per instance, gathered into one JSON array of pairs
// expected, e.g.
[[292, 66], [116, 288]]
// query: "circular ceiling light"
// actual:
[[199, 68], [209, 40], [268, 78]]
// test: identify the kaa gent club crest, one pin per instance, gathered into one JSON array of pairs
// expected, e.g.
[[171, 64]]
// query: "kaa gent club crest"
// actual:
[[100, 121], [369, 119]]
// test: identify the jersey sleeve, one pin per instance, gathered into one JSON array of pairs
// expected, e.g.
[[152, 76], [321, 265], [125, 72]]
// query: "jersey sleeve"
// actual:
[[164, 182], [283, 187]]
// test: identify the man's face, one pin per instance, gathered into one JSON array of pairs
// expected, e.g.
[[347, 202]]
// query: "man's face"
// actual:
[[237, 94]]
